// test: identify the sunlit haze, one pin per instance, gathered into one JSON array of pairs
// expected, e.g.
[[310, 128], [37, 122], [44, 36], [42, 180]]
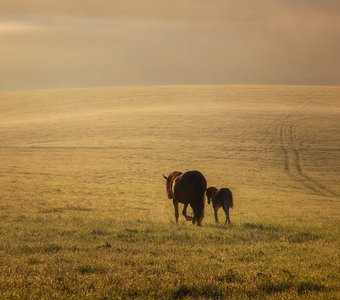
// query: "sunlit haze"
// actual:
[[83, 43]]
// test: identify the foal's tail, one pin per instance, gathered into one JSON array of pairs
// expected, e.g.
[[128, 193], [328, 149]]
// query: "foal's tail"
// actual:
[[229, 200]]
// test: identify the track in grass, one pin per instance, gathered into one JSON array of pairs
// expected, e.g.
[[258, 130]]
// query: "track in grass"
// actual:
[[282, 134]]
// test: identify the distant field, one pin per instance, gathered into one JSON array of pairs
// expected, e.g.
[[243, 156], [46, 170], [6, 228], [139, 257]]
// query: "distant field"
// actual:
[[84, 212]]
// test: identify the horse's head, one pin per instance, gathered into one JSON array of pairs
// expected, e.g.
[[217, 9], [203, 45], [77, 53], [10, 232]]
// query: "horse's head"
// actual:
[[169, 183], [168, 186], [210, 193]]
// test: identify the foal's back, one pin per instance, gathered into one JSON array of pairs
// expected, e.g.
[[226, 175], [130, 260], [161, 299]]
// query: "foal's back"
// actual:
[[224, 195]]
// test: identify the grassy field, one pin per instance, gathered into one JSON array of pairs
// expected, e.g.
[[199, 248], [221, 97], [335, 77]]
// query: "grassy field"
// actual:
[[84, 212]]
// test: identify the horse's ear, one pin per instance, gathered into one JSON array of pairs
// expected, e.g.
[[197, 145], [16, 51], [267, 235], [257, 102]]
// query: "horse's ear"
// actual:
[[166, 178]]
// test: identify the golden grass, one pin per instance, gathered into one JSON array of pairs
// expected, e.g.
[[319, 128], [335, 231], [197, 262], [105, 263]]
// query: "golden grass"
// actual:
[[83, 206]]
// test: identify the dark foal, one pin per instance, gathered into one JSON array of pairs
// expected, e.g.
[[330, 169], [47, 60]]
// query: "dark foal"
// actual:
[[220, 198]]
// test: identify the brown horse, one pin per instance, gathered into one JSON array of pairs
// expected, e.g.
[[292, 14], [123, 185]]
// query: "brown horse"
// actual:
[[187, 188], [220, 198]]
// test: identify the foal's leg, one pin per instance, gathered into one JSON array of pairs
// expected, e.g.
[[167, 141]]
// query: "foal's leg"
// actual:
[[228, 217], [215, 213], [184, 213], [226, 210], [176, 210]]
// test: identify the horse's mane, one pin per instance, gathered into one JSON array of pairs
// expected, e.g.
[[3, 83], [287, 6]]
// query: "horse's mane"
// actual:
[[170, 182], [173, 178], [174, 174]]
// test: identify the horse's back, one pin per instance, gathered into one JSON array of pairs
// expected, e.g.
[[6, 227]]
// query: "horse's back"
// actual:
[[190, 187], [194, 179]]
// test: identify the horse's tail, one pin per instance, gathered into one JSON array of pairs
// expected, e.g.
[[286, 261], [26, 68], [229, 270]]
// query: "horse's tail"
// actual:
[[198, 205]]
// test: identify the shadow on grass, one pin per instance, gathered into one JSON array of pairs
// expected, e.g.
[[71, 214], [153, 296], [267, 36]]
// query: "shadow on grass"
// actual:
[[281, 233]]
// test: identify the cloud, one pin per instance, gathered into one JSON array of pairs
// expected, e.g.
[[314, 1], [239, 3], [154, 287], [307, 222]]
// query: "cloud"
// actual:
[[17, 26]]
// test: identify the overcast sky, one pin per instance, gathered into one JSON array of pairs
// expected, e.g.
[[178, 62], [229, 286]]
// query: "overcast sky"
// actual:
[[86, 43]]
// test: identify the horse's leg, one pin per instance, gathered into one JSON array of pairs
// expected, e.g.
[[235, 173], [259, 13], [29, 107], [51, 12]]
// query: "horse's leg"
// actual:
[[193, 219], [184, 213], [215, 213], [176, 210]]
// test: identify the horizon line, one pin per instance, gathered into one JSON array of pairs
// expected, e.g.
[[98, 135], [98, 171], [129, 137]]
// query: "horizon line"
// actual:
[[166, 85]]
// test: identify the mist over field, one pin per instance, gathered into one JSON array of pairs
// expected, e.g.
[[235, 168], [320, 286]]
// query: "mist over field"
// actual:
[[84, 43]]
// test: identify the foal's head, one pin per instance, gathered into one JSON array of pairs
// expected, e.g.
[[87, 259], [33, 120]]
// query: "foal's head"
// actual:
[[210, 192]]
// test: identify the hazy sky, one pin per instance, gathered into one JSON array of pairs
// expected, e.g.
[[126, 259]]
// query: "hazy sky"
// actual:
[[80, 43]]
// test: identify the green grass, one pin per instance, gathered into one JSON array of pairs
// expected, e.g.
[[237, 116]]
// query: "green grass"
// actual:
[[153, 259], [83, 207]]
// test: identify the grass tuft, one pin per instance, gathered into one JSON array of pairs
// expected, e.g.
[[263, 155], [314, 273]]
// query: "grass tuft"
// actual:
[[53, 248], [98, 232], [305, 287], [230, 277], [302, 237], [87, 269], [209, 291], [270, 287], [33, 261]]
